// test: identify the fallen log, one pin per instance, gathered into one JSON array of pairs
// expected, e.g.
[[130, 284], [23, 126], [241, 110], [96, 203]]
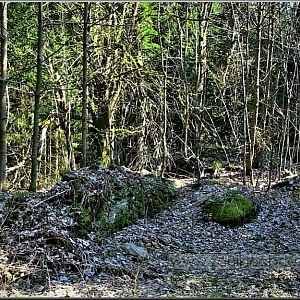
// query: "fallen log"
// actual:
[[287, 181]]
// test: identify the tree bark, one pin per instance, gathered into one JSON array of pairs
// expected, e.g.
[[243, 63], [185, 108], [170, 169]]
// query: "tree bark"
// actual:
[[37, 96], [3, 89], [256, 94], [85, 83]]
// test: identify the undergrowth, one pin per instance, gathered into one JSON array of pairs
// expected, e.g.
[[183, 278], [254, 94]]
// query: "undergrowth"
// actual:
[[131, 202]]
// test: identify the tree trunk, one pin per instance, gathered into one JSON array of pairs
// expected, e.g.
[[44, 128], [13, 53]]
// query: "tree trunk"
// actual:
[[256, 94], [85, 84], [3, 88], [266, 87], [203, 12], [63, 116], [37, 96]]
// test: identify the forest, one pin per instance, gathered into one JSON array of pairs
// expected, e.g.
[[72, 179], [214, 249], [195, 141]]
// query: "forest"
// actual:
[[150, 149], [166, 87]]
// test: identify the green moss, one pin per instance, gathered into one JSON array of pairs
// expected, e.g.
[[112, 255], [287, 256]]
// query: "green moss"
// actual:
[[144, 200], [296, 196], [234, 167], [178, 184], [217, 166], [123, 219], [135, 199], [231, 209], [296, 193]]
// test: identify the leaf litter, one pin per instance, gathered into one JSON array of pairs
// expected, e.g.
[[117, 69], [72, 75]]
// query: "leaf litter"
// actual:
[[175, 253]]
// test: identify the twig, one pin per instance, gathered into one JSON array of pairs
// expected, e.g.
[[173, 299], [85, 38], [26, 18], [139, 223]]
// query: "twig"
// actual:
[[56, 195]]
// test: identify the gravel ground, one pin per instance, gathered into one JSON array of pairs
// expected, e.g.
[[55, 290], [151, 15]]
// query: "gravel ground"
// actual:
[[178, 254]]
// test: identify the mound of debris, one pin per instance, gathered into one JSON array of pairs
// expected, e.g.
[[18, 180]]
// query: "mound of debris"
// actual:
[[55, 233]]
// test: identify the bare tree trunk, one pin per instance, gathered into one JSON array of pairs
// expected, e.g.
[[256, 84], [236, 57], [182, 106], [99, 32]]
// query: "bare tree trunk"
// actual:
[[63, 116], [266, 88], [204, 11], [37, 96], [186, 96], [85, 85], [3, 87], [256, 94], [108, 157], [165, 119], [244, 54]]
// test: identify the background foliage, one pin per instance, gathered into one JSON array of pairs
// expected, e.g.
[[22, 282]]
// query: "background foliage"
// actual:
[[171, 86]]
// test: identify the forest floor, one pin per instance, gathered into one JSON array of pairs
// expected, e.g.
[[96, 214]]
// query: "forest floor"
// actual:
[[174, 254]]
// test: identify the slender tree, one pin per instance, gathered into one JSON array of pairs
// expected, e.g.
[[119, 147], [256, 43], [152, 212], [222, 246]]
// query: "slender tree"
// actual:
[[37, 96], [85, 82], [3, 96]]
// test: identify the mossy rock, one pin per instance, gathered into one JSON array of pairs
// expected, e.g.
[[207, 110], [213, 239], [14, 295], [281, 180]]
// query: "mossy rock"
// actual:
[[138, 197], [231, 209]]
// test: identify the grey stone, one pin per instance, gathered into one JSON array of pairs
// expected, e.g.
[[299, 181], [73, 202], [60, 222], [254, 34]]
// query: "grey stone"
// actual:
[[136, 251]]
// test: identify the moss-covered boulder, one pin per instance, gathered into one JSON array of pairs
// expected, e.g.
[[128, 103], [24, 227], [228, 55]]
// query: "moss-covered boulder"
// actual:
[[230, 208]]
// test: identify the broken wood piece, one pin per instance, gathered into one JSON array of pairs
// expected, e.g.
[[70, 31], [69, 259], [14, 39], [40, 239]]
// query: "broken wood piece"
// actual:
[[287, 181]]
